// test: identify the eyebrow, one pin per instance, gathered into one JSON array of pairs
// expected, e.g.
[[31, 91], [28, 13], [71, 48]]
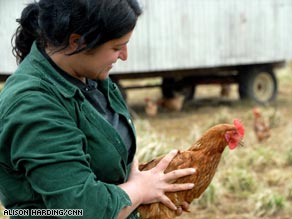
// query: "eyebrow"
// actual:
[[122, 44]]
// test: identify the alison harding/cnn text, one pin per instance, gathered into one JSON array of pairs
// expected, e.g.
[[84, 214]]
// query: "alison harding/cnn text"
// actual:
[[43, 212]]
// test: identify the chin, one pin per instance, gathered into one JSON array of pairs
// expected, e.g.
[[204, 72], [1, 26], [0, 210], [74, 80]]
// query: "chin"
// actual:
[[103, 76]]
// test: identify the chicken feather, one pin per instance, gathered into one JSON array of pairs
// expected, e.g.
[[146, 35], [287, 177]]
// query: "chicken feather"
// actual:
[[204, 155], [260, 126]]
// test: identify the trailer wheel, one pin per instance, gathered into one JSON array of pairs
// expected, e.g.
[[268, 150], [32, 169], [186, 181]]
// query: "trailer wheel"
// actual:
[[258, 84]]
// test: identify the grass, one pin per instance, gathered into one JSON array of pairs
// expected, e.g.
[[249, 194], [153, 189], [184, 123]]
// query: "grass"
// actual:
[[251, 182], [289, 156], [257, 173], [209, 198], [151, 144], [269, 203], [254, 174]]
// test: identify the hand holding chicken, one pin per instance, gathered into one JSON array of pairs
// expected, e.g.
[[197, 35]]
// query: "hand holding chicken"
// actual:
[[204, 155]]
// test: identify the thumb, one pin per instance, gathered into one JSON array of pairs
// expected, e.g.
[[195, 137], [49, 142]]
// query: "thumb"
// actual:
[[135, 165]]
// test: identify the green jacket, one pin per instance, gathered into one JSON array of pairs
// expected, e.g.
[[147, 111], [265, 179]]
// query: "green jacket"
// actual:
[[56, 150]]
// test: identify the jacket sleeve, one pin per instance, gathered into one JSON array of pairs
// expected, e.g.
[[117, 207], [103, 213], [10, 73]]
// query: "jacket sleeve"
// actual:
[[50, 149]]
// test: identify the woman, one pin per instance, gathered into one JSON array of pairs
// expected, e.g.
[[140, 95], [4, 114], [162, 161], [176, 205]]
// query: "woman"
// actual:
[[66, 138]]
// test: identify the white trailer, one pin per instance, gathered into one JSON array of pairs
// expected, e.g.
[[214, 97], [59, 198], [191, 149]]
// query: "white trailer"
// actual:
[[191, 42]]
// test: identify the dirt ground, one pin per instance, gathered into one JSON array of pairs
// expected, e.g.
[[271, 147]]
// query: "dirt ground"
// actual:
[[266, 166], [252, 182]]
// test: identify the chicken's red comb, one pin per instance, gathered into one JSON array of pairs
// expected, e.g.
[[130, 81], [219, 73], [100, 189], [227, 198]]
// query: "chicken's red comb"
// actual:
[[239, 126]]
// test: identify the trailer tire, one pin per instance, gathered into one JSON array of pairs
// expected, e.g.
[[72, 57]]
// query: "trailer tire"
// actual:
[[258, 84]]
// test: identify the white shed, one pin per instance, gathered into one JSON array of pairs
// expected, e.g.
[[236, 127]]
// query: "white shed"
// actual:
[[188, 42], [176, 34]]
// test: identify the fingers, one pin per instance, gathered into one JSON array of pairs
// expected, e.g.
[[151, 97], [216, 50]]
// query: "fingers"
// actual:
[[183, 207], [135, 165], [175, 174], [163, 164], [178, 211], [179, 187], [167, 202], [157, 182]]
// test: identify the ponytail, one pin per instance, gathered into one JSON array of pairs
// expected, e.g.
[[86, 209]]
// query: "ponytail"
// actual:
[[26, 33], [51, 22]]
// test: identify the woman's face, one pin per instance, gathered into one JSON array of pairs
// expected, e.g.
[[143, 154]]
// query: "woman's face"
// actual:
[[97, 63]]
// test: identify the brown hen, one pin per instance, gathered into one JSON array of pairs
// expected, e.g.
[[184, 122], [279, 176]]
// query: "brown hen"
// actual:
[[172, 104], [260, 126], [151, 107], [204, 155]]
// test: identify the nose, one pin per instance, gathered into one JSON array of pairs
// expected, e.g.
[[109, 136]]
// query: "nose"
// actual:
[[124, 53]]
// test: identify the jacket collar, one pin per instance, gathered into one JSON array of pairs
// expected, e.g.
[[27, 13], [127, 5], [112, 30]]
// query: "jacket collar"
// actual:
[[47, 72]]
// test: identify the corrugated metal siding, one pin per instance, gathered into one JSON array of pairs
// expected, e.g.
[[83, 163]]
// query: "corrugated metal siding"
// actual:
[[179, 34], [175, 34], [9, 12]]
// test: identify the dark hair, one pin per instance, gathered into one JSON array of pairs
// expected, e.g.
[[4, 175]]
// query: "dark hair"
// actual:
[[51, 22]]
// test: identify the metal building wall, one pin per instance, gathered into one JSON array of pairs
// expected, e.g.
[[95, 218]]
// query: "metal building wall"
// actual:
[[179, 34], [10, 10], [175, 34]]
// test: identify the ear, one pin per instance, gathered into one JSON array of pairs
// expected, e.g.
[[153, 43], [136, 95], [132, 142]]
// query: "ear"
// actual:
[[74, 41], [231, 140]]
